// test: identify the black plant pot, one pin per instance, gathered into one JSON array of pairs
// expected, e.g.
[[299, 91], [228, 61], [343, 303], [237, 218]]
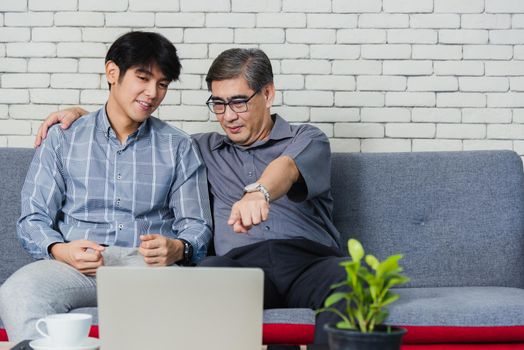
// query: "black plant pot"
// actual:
[[380, 339]]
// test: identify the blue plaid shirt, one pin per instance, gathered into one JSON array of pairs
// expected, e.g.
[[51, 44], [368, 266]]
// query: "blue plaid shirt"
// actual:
[[84, 184]]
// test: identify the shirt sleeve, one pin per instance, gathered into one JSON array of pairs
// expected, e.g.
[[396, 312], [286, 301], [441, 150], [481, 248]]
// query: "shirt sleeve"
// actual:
[[189, 199], [42, 196], [312, 154]]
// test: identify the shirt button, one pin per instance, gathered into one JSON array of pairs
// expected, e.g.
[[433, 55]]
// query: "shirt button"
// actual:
[[250, 174], [120, 226], [267, 228], [119, 177], [119, 152]]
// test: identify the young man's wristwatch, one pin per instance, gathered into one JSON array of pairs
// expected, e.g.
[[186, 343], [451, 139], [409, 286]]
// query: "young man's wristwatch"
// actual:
[[188, 252], [254, 187]]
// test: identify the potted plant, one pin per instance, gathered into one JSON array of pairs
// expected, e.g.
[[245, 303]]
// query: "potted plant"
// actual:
[[364, 296]]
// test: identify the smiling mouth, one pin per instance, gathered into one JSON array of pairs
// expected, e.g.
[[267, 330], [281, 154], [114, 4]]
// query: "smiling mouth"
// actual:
[[144, 105]]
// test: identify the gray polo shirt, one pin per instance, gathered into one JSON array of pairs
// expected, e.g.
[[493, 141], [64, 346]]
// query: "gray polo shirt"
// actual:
[[305, 212]]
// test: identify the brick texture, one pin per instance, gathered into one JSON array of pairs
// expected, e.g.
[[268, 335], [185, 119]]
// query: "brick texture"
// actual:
[[374, 75]]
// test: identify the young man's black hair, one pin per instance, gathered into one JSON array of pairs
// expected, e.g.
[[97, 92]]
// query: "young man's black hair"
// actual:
[[143, 49]]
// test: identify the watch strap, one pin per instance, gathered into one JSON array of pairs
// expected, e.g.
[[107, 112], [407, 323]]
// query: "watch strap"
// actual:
[[188, 251], [258, 187]]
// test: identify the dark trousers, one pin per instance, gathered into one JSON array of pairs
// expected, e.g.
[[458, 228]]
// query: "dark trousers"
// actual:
[[297, 274]]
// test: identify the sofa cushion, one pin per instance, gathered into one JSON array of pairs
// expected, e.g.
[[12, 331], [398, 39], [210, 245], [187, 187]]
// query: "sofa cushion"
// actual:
[[458, 306], [460, 314], [14, 163], [458, 217]]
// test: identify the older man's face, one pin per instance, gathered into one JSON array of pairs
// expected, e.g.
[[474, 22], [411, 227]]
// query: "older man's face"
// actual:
[[244, 128]]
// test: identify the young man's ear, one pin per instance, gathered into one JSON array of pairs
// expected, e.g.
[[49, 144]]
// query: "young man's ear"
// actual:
[[269, 94], [112, 72]]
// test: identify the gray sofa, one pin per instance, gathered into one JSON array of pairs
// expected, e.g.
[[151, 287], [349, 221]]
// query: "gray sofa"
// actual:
[[458, 217]]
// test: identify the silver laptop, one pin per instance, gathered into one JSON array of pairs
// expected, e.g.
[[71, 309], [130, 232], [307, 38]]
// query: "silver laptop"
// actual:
[[177, 308]]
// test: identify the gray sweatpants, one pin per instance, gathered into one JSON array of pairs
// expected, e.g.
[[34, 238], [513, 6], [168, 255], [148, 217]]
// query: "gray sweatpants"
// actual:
[[48, 287]]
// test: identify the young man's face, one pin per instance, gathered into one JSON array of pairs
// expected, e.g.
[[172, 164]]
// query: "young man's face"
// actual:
[[244, 128], [138, 93]]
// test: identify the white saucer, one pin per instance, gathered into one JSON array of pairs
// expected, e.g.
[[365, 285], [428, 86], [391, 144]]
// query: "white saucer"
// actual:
[[45, 344]]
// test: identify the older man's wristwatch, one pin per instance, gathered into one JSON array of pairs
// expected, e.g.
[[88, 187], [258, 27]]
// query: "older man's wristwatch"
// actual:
[[254, 187]]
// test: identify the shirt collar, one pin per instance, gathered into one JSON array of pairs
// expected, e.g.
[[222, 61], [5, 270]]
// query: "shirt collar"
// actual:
[[281, 130], [102, 123]]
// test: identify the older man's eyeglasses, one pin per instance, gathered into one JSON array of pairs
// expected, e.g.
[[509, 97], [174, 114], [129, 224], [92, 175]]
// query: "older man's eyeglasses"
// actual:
[[237, 105]]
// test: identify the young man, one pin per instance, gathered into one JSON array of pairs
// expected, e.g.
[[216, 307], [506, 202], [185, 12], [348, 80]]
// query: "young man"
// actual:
[[118, 188], [270, 185]]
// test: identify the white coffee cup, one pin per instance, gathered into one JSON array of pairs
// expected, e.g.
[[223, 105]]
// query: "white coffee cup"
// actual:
[[65, 329]]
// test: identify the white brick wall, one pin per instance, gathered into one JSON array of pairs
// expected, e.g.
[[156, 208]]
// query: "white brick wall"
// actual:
[[433, 83], [382, 115], [487, 52], [385, 145], [383, 21], [54, 96], [433, 145], [28, 19], [485, 21], [504, 6], [55, 5], [13, 64], [411, 130], [381, 83], [3, 111], [13, 5], [435, 21], [374, 75], [80, 19], [438, 115], [459, 6], [52, 65], [315, 20]]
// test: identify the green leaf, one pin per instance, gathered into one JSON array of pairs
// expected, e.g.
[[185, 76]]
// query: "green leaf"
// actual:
[[367, 276], [356, 251], [389, 265], [374, 292], [334, 298], [344, 325], [352, 275], [381, 317], [390, 299], [339, 284], [372, 261], [395, 281]]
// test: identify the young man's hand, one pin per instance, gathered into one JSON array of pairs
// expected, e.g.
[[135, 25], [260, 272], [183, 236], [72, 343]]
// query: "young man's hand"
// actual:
[[65, 117], [251, 210], [159, 250], [83, 255]]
